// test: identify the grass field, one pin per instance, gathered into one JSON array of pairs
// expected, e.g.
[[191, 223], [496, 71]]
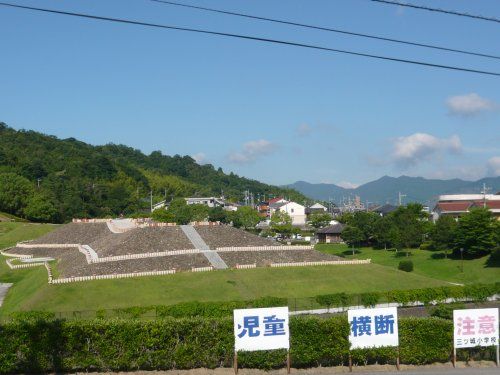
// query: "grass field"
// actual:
[[426, 263], [31, 291]]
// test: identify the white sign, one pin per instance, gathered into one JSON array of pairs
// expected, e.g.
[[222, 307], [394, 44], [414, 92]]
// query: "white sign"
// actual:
[[475, 327], [261, 329], [373, 328]]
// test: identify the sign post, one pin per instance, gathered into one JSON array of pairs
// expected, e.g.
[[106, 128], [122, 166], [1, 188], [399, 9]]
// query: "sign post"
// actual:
[[473, 328], [261, 329], [373, 328]]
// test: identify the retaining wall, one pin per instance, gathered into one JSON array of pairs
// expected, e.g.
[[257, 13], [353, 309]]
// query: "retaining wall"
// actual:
[[321, 263], [264, 248]]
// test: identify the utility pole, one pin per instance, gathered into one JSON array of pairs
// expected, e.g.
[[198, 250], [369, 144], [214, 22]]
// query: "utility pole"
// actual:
[[484, 191], [399, 197], [151, 199]]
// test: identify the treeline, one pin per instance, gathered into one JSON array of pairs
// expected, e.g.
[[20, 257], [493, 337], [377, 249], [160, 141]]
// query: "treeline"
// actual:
[[477, 232], [43, 178]]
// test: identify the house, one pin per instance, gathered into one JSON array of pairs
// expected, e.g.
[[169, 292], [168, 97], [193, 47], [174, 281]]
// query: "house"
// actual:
[[458, 204], [296, 211], [384, 210], [264, 208], [330, 234], [207, 201], [315, 208]]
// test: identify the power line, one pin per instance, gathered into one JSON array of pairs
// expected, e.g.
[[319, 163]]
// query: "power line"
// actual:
[[345, 32], [452, 12], [247, 37]]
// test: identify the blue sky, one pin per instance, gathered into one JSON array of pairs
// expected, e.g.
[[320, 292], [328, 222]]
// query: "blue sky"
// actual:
[[274, 113]]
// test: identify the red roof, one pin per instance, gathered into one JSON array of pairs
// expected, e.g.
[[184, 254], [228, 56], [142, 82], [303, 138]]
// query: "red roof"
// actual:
[[492, 205], [453, 206], [274, 200]]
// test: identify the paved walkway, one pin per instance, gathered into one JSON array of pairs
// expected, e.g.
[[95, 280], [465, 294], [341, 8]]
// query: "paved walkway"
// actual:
[[3, 291], [195, 238]]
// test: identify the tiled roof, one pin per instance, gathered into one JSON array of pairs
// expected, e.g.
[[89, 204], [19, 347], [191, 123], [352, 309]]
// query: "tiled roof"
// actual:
[[453, 206], [332, 229]]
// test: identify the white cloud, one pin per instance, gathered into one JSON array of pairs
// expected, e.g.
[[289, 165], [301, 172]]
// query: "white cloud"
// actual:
[[347, 185], [200, 158], [418, 147], [469, 104], [304, 130], [494, 166], [251, 151]]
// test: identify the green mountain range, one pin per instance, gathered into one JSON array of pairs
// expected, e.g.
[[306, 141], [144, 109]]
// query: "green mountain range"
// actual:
[[386, 189], [44, 178]]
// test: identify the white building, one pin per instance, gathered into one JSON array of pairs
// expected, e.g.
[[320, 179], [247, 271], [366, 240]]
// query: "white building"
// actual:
[[207, 201], [296, 211]]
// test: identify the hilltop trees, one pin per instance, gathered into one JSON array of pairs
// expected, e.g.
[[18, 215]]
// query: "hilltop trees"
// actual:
[[81, 180]]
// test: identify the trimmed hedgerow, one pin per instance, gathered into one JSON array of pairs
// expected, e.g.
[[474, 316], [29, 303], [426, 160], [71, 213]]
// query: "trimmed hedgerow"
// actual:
[[39, 345]]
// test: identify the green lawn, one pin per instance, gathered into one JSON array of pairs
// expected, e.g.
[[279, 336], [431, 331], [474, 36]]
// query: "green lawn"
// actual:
[[426, 263], [31, 291], [210, 286]]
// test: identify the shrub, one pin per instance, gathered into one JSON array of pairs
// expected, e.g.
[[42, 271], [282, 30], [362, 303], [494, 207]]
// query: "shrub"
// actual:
[[406, 265], [370, 299], [40, 346], [446, 311], [337, 299]]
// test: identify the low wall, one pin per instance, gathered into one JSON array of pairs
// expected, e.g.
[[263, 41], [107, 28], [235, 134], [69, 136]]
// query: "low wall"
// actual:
[[264, 248], [112, 276], [27, 245], [20, 266], [145, 255], [321, 263], [245, 266], [21, 256], [202, 269]]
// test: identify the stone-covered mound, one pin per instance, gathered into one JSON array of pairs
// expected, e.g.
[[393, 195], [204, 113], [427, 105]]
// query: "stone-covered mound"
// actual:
[[227, 236], [74, 233], [265, 258], [141, 240]]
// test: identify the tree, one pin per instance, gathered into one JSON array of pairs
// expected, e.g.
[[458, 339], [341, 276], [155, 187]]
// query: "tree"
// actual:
[[218, 214], [410, 221], [352, 235], [365, 221], [443, 232], [281, 223], [15, 192], [163, 216], [382, 231], [199, 212], [320, 219], [40, 208], [476, 232], [245, 217], [181, 211]]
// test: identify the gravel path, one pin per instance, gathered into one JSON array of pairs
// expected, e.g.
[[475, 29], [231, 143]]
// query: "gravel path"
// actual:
[[226, 236], [265, 258]]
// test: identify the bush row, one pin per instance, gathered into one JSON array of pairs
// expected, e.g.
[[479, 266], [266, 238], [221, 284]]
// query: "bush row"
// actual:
[[39, 345], [474, 292]]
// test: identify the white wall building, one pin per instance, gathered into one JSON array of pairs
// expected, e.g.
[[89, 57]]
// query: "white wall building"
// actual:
[[296, 211]]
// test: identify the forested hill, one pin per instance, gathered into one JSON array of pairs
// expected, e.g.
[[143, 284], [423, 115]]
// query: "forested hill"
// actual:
[[44, 178]]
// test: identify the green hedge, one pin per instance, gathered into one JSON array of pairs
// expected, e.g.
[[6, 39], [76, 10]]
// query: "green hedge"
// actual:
[[37, 345], [474, 292]]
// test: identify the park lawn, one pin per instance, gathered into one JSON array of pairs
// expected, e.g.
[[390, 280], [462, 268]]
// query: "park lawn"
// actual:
[[426, 263], [226, 285]]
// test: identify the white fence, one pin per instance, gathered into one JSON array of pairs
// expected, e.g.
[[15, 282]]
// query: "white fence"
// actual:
[[90, 220], [245, 266], [27, 245], [321, 263], [145, 255], [20, 256], [263, 248], [202, 269], [112, 276], [19, 266]]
